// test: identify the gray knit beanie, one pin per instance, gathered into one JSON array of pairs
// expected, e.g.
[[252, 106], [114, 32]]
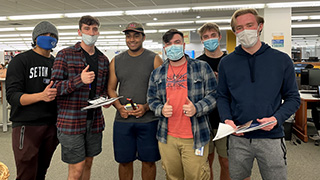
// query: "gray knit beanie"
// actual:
[[44, 27]]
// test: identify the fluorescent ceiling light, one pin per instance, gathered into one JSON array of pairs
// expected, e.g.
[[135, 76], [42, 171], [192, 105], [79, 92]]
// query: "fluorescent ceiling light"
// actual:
[[36, 16], [163, 30], [299, 36], [72, 40], [110, 32], [25, 35], [150, 31], [7, 29], [68, 27], [3, 18], [24, 28], [169, 23], [192, 29], [295, 18], [68, 34], [108, 40], [314, 17], [122, 36], [99, 43], [69, 37], [221, 28], [304, 25], [97, 14], [9, 35], [214, 20], [294, 4], [229, 7], [15, 42], [64, 41], [12, 39], [225, 28], [157, 11]]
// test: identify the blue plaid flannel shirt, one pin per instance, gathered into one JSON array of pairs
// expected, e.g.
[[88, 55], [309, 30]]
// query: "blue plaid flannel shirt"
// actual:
[[202, 86]]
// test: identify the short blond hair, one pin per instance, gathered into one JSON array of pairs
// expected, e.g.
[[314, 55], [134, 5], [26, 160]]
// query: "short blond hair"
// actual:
[[207, 27], [240, 12]]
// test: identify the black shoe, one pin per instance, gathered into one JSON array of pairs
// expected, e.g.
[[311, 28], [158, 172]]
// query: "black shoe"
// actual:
[[316, 143]]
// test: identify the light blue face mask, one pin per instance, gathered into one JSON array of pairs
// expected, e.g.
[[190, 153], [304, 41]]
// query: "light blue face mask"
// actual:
[[211, 44], [46, 42], [174, 52], [89, 40]]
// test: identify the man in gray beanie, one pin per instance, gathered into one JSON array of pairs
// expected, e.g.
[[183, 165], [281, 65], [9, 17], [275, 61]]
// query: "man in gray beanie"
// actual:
[[33, 106], [45, 27]]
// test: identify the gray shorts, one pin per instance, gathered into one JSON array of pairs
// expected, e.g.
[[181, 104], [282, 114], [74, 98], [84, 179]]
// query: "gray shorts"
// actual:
[[75, 148], [270, 155]]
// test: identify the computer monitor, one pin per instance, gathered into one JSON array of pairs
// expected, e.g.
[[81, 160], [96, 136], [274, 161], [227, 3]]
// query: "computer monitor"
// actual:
[[313, 59], [314, 77]]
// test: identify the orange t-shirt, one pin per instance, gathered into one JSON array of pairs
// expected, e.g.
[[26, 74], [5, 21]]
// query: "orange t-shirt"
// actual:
[[179, 125]]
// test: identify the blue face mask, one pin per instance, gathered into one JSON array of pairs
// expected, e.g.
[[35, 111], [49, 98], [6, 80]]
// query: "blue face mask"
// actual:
[[46, 42], [174, 52], [211, 44]]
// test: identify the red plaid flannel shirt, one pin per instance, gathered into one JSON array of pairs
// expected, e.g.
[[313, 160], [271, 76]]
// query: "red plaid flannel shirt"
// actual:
[[73, 94]]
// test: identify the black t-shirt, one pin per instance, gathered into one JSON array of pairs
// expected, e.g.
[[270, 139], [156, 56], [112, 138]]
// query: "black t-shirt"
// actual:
[[214, 64], [92, 61]]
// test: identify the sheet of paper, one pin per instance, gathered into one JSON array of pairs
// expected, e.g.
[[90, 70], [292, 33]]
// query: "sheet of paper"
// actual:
[[100, 102], [223, 131]]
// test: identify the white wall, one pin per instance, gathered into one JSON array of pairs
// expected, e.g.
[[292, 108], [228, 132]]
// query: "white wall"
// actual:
[[277, 20]]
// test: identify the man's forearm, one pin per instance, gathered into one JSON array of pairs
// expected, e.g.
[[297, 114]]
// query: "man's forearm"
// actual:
[[27, 99], [113, 94]]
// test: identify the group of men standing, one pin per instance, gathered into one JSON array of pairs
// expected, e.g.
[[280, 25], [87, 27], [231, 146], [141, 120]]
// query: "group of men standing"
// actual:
[[178, 103]]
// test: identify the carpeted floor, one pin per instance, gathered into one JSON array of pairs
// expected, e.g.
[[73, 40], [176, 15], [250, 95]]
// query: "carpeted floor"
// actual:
[[303, 159]]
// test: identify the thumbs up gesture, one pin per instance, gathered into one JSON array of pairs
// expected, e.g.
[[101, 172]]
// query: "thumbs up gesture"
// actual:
[[49, 93], [167, 109], [188, 108], [87, 76]]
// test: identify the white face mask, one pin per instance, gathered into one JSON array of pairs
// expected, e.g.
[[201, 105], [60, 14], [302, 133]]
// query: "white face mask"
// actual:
[[89, 40], [248, 38]]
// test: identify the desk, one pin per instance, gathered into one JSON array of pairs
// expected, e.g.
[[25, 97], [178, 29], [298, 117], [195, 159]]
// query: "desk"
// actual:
[[315, 64], [300, 125], [4, 106]]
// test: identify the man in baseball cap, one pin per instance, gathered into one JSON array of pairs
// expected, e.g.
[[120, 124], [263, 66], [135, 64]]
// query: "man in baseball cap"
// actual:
[[33, 106], [134, 26], [134, 130]]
